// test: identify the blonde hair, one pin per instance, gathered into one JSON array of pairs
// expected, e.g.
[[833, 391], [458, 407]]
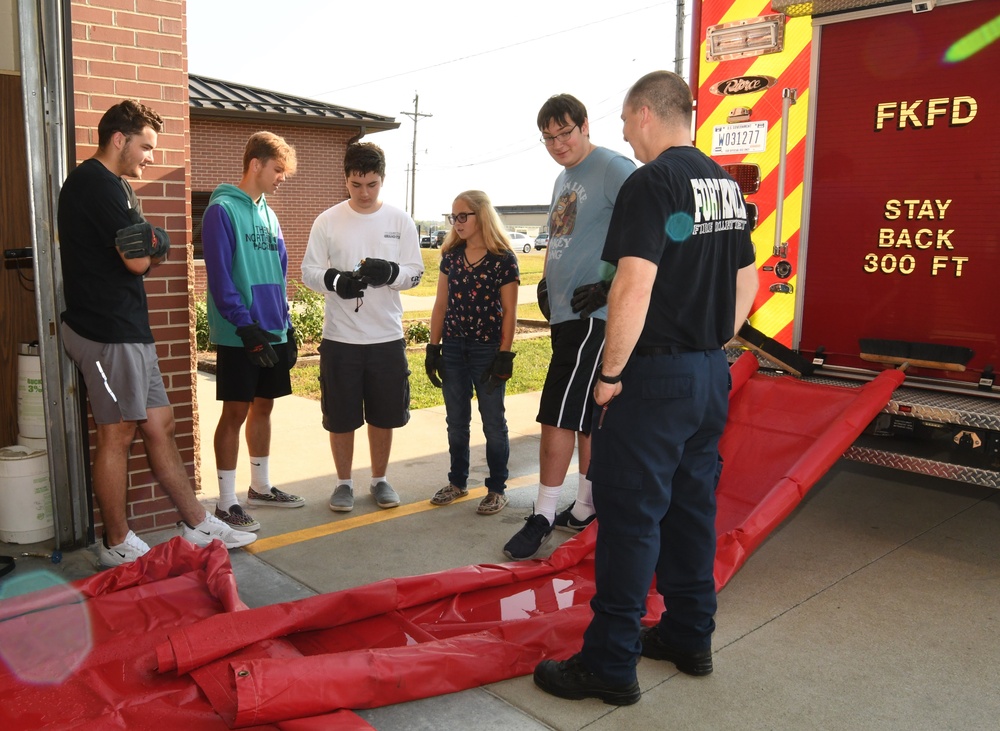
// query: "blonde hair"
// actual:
[[266, 146], [494, 235]]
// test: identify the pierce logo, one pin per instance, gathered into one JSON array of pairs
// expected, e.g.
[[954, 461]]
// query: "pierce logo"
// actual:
[[743, 85]]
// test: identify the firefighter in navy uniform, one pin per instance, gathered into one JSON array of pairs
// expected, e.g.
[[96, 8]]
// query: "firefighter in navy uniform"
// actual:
[[686, 275]]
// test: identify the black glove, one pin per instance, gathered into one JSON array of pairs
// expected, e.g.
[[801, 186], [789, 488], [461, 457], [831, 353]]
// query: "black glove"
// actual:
[[500, 370], [141, 239], [257, 342], [345, 284], [377, 272], [434, 364], [291, 348], [588, 298], [161, 244], [543, 299]]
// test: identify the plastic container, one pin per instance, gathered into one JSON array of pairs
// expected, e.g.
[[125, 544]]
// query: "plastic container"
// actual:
[[25, 496], [33, 443], [30, 400]]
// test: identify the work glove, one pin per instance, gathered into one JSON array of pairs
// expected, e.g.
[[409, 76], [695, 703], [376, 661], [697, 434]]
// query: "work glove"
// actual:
[[257, 343], [588, 298], [543, 299], [434, 364], [142, 239], [377, 272], [345, 284], [291, 348], [500, 370]]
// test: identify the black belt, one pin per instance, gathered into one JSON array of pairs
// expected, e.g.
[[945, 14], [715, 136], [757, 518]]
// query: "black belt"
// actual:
[[666, 350]]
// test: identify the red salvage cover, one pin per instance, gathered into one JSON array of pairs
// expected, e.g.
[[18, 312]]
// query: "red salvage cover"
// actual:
[[173, 646]]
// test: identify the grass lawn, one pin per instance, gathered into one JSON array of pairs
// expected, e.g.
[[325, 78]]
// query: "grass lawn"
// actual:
[[530, 367], [530, 265]]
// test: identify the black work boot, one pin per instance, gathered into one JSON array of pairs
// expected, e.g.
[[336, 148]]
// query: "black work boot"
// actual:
[[692, 663], [570, 679]]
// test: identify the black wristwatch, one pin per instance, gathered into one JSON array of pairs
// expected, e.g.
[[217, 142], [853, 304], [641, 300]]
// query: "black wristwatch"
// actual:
[[608, 379]]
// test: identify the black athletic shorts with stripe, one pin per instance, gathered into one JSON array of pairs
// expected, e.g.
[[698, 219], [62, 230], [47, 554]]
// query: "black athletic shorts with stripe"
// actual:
[[568, 394]]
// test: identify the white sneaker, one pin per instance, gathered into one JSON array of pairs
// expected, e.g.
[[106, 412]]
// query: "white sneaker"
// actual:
[[125, 552], [211, 528]]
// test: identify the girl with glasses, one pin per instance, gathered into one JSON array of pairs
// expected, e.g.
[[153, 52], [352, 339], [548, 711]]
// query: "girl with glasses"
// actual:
[[472, 331]]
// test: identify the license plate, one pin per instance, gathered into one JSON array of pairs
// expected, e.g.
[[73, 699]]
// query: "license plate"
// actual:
[[739, 139]]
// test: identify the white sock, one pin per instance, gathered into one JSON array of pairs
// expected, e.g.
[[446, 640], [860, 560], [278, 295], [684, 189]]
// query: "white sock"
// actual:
[[583, 508], [259, 479], [227, 489], [376, 480], [547, 499], [349, 482]]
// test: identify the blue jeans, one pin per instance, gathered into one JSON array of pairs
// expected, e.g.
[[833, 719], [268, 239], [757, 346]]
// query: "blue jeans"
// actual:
[[465, 362]]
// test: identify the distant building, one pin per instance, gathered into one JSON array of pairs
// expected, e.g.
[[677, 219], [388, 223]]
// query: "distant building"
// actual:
[[531, 220], [225, 114]]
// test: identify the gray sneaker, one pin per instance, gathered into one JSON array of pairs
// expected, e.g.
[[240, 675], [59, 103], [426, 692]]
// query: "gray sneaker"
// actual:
[[342, 500], [385, 496]]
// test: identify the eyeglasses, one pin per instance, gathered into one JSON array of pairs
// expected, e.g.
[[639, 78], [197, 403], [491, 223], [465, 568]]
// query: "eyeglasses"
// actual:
[[460, 217], [561, 138]]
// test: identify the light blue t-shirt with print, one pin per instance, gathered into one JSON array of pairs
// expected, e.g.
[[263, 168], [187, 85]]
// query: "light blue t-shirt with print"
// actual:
[[582, 201]]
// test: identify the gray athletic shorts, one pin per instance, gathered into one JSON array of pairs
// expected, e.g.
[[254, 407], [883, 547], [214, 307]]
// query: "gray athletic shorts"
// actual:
[[123, 379]]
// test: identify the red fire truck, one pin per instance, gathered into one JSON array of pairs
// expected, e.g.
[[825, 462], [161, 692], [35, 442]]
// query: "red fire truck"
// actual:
[[865, 133]]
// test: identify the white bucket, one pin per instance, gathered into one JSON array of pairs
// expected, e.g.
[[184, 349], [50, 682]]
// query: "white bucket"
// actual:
[[30, 401], [25, 497], [33, 443]]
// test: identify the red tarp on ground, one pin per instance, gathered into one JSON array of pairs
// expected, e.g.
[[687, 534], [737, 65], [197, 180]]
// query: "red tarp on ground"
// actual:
[[173, 647]]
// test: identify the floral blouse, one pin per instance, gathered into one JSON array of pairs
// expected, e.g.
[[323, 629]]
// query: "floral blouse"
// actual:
[[474, 307]]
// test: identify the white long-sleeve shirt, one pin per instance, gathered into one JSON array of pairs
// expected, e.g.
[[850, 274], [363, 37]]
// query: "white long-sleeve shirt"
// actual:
[[340, 238]]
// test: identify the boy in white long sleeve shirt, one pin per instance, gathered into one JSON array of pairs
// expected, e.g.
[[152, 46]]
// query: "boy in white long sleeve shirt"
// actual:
[[361, 254]]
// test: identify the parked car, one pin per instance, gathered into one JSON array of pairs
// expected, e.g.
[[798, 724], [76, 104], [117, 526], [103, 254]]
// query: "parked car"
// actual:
[[541, 241], [520, 241], [433, 240]]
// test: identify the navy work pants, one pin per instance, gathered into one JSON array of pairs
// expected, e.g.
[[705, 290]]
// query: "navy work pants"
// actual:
[[654, 463]]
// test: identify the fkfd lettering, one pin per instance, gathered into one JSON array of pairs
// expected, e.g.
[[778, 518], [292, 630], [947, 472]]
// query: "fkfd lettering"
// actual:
[[958, 110]]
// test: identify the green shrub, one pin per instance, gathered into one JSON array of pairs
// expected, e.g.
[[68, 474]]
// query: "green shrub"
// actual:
[[307, 314], [201, 327], [417, 332]]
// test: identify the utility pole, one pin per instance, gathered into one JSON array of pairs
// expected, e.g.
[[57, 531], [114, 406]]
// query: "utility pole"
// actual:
[[414, 115], [679, 40], [407, 194]]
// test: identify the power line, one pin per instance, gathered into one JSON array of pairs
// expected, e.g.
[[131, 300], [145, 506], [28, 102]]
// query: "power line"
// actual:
[[415, 116], [492, 50]]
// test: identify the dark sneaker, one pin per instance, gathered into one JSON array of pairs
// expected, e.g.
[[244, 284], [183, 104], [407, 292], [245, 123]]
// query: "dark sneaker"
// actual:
[[493, 503], [342, 499], [566, 522], [237, 517], [570, 679], [526, 542], [385, 496], [692, 663], [125, 552], [448, 494], [275, 498]]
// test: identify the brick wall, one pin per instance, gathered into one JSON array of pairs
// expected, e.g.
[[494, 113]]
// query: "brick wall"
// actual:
[[137, 49], [217, 157]]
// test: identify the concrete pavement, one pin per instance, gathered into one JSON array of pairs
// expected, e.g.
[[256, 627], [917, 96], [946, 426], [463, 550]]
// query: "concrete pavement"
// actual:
[[876, 605]]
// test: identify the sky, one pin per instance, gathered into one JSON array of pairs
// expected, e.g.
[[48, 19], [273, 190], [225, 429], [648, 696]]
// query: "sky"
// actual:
[[481, 71]]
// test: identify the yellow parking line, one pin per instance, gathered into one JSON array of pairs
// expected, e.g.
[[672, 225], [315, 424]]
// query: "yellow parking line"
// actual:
[[339, 526]]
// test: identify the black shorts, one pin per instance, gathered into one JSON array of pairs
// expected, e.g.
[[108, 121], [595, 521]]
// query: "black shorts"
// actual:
[[237, 379], [568, 394], [364, 383]]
